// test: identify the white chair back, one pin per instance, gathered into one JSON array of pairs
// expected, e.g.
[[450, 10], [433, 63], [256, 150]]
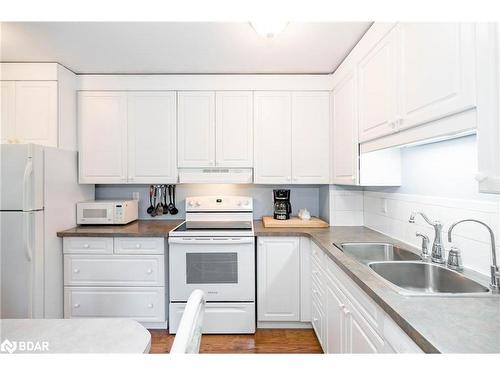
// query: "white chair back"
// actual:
[[188, 337]]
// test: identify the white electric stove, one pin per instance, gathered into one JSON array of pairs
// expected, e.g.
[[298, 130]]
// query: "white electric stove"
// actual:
[[214, 250]]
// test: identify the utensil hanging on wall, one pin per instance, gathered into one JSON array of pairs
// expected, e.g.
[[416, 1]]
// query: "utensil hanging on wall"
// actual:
[[173, 210], [151, 207]]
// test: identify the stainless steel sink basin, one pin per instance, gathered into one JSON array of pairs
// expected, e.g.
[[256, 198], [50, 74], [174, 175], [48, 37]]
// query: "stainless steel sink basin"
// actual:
[[377, 252], [427, 278]]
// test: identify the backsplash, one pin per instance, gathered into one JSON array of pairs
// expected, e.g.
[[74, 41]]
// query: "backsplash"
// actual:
[[301, 196], [389, 213]]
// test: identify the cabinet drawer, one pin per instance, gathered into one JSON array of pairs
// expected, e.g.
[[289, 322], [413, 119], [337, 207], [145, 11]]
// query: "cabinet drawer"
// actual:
[[318, 323], [114, 270], [139, 245], [317, 254], [88, 245], [141, 304]]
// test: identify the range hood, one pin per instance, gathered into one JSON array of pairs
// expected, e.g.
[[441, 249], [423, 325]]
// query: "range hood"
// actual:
[[216, 175]]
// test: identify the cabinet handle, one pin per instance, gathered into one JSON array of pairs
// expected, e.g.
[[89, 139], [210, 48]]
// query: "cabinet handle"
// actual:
[[76, 305], [149, 271], [288, 178], [76, 270], [86, 246], [150, 305], [261, 242], [481, 176], [315, 319], [137, 245]]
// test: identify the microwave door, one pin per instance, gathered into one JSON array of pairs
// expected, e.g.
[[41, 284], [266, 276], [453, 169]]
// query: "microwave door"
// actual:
[[95, 214]]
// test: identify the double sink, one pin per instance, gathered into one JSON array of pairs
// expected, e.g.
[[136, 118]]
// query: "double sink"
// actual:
[[409, 274]]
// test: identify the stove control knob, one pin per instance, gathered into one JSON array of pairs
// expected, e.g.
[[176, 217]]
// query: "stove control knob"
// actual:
[[197, 204], [190, 203], [246, 203]]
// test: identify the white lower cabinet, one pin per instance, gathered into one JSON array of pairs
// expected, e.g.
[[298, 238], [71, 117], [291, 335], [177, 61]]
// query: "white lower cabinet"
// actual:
[[344, 318], [278, 279], [121, 277]]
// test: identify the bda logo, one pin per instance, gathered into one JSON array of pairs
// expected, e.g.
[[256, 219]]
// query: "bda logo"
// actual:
[[8, 346]]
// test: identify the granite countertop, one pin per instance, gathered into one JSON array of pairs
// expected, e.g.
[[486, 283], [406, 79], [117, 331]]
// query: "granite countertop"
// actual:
[[436, 324], [138, 228], [78, 335]]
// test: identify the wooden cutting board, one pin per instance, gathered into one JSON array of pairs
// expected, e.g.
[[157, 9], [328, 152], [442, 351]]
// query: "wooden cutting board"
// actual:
[[294, 222]]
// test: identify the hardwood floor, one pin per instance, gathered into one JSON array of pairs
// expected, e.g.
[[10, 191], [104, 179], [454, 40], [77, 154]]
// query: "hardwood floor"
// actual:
[[263, 341]]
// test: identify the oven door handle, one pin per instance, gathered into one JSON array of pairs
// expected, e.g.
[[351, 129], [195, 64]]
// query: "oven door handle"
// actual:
[[210, 241]]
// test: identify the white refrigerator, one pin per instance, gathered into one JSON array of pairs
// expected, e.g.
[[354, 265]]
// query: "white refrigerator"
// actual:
[[38, 194]]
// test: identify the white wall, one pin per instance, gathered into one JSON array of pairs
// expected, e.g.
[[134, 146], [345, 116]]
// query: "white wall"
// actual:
[[302, 196]]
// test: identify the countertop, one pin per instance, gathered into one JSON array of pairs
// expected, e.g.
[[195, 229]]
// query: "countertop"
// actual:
[[138, 228], [436, 324], [78, 335]]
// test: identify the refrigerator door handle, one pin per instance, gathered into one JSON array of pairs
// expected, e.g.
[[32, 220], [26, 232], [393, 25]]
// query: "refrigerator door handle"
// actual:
[[28, 171], [28, 238]]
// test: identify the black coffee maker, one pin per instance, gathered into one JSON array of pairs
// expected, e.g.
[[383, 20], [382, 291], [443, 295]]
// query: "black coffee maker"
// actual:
[[282, 206]]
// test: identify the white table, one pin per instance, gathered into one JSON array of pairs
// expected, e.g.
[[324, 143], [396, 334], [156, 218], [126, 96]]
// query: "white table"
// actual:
[[75, 335]]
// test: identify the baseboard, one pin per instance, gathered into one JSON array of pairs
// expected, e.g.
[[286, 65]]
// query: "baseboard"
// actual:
[[284, 325], [158, 325]]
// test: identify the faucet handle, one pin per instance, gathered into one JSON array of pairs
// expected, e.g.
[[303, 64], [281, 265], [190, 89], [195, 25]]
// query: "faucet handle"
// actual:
[[425, 245], [455, 259]]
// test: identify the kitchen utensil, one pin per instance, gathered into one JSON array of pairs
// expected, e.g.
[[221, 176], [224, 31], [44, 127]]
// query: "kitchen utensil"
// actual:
[[164, 202], [150, 208], [159, 208], [173, 210], [170, 204], [155, 196]]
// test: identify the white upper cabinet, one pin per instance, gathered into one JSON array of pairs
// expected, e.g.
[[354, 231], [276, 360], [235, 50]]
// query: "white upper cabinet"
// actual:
[[7, 103], [196, 129], [291, 137], [437, 71], [273, 137], [152, 137], [310, 137], [102, 121], [488, 104], [377, 80], [345, 131], [278, 279], [127, 137], [234, 129], [30, 112]]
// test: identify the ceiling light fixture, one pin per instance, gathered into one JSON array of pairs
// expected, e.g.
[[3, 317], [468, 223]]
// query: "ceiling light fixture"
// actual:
[[268, 29]]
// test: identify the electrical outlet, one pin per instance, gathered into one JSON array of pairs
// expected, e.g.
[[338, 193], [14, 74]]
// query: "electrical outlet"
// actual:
[[384, 205], [135, 195]]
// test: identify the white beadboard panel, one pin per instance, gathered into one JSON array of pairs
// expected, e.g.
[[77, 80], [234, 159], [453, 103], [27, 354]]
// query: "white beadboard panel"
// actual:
[[388, 212], [346, 206]]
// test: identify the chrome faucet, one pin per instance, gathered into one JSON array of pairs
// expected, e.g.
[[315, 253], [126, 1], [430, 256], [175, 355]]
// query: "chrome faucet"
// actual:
[[495, 273], [437, 254]]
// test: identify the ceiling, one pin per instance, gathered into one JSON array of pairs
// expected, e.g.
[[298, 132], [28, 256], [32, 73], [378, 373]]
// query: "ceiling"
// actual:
[[180, 47]]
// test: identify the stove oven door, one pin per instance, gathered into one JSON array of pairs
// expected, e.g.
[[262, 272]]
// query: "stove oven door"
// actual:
[[224, 268]]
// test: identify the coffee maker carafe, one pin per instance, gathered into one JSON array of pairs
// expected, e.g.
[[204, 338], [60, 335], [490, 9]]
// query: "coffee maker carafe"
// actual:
[[282, 206]]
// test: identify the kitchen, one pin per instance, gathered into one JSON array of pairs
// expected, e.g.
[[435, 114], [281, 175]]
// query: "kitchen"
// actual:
[[344, 201]]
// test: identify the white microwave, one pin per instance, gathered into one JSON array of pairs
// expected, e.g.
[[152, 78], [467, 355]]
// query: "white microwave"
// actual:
[[106, 212]]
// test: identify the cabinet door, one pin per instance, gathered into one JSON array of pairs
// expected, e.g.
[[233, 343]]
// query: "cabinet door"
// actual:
[[234, 129], [361, 338], [273, 137], [335, 318], [345, 132], [310, 137], [102, 125], [35, 118], [152, 137], [437, 71], [196, 127], [278, 279], [377, 80], [7, 103], [488, 115]]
